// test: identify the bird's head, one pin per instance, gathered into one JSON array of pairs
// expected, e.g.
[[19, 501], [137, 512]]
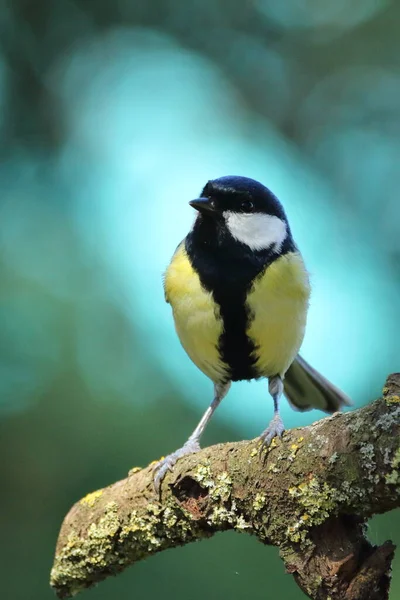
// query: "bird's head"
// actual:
[[243, 210]]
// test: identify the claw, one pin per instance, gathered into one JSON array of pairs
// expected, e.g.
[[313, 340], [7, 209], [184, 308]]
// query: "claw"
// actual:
[[167, 464], [161, 469], [274, 429]]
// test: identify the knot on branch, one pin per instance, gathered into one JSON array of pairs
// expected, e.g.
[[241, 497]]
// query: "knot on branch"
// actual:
[[341, 563], [191, 496]]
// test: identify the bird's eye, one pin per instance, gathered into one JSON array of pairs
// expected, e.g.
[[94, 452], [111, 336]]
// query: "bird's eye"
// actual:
[[247, 206], [212, 204]]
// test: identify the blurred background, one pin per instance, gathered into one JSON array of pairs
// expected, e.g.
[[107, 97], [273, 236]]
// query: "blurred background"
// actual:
[[114, 115]]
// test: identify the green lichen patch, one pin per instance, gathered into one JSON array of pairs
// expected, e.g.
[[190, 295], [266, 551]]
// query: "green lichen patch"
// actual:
[[241, 523], [203, 475], [332, 459], [170, 518], [259, 502], [316, 502], [367, 452], [388, 420], [142, 529], [223, 511], [220, 515], [83, 559], [222, 488], [357, 424], [393, 478], [396, 459], [156, 528], [79, 558], [228, 516]]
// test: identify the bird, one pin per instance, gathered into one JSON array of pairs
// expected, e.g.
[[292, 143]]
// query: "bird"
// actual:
[[240, 291]]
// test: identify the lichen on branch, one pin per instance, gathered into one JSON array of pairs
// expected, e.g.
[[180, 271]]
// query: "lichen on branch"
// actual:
[[309, 494]]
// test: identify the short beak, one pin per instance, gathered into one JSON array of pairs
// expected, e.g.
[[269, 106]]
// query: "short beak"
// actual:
[[203, 205]]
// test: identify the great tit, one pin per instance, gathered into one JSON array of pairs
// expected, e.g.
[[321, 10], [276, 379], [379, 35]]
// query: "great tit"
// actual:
[[239, 292]]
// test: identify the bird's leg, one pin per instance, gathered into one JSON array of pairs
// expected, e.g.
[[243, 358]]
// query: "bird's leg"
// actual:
[[276, 427], [193, 443]]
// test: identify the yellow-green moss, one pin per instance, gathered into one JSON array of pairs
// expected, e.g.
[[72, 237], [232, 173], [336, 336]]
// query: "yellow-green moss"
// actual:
[[169, 518], [259, 502], [392, 400], [313, 586], [81, 556], [141, 534], [293, 451], [142, 530], [274, 444], [294, 448], [90, 499], [135, 470]]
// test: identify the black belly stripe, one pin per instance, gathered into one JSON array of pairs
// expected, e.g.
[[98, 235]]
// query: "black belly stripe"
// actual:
[[235, 348], [228, 272]]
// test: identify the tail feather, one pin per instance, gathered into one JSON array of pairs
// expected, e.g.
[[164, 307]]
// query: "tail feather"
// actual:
[[305, 388]]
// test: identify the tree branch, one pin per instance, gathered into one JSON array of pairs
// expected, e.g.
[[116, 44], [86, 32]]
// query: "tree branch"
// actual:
[[309, 494]]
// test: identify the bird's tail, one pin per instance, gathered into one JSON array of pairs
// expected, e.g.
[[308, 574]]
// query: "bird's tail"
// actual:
[[305, 388]]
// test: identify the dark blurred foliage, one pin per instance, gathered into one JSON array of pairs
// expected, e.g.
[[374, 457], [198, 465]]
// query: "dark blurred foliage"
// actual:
[[107, 107]]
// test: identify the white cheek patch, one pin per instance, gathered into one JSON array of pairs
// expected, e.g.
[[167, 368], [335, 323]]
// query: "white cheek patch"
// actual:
[[256, 230]]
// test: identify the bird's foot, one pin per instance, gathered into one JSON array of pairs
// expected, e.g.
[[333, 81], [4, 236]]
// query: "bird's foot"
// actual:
[[275, 428], [167, 463]]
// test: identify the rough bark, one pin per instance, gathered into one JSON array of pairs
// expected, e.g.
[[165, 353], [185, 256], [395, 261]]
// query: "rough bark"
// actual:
[[310, 494]]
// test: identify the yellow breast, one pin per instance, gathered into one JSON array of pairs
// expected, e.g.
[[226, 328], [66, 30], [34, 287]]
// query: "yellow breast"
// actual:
[[196, 315], [278, 302]]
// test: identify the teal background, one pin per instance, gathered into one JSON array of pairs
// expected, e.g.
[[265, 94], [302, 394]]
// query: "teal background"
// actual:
[[112, 116]]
